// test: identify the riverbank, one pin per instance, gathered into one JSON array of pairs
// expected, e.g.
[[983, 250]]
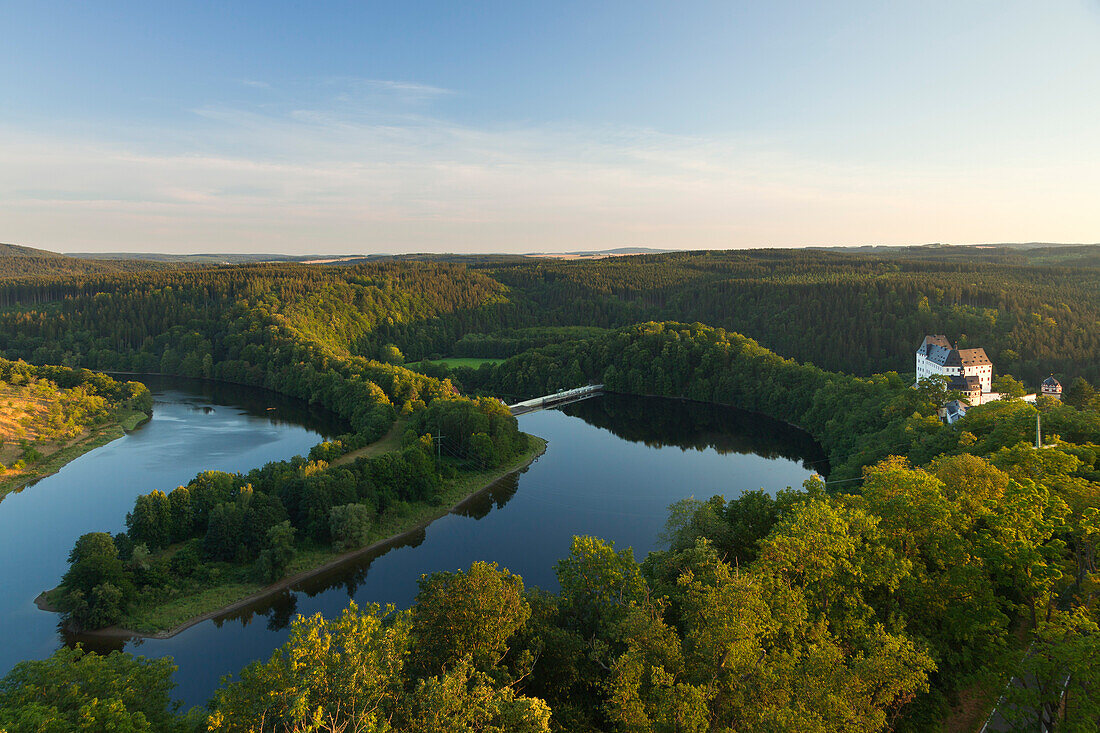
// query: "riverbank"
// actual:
[[125, 421], [170, 618]]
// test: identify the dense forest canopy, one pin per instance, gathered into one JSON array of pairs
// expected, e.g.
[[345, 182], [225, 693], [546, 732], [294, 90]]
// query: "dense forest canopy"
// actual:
[[1034, 311], [913, 576], [842, 312]]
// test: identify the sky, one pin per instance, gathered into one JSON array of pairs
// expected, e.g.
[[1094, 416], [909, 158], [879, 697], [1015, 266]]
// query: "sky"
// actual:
[[363, 127]]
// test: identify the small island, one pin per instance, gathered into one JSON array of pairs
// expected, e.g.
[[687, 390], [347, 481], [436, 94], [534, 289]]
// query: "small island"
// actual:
[[50, 415]]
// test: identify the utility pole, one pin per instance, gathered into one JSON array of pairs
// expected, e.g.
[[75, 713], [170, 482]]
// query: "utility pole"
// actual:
[[438, 439], [1038, 432]]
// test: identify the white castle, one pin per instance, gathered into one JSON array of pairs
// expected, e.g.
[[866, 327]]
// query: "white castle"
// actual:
[[970, 370]]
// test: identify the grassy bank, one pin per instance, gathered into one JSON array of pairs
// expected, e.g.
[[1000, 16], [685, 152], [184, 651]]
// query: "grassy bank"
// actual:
[[123, 422], [232, 586]]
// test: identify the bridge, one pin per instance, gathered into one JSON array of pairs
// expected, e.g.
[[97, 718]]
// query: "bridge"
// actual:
[[557, 399]]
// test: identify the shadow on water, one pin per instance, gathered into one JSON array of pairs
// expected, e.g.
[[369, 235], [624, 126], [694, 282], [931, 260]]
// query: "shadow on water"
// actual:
[[659, 422], [203, 395]]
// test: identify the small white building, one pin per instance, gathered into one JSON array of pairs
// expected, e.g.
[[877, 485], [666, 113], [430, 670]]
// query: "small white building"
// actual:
[[1051, 387]]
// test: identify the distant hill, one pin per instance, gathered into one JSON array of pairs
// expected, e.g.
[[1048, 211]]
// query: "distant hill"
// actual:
[[15, 250], [1031, 253], [210, 258], [317, 259], [17, 261], [597, 254], [214, 258]]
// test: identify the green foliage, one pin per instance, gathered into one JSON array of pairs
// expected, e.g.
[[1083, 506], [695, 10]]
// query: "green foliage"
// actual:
[[466, 615], [1009, 386], [343, 674], [97, 584], [462, 699], [1064, 680], [277, 553], [75, 691], [151, 521], [350, 525], [391, 354]]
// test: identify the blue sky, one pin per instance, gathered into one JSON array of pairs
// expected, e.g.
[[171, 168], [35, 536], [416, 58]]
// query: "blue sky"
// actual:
[[370, 127]]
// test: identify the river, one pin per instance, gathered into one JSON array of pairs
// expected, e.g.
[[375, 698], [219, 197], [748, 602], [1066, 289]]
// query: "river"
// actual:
[[613, 465]]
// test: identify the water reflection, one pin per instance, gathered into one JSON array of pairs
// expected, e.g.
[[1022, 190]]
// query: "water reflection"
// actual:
[[204, 396], [659, 422], [351, 574]]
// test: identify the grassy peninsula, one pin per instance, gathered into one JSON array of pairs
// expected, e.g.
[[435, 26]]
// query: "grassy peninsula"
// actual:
[[230, 586]]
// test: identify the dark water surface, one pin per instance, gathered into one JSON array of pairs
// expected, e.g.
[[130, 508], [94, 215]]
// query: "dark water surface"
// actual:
[[613, 465]]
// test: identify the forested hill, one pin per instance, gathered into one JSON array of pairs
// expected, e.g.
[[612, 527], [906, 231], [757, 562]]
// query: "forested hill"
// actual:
[[169, 321], [843, 312], [1035, 311], [15, 250], [17, 261], [900, 594]]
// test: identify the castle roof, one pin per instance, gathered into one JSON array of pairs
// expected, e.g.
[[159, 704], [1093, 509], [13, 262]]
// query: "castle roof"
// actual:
[[942, 355], [1051, 382], [965, 384], [973, 357], [938, 340], [937, 349]]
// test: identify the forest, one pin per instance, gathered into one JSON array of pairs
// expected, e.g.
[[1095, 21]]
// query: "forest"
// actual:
[[912, 576]]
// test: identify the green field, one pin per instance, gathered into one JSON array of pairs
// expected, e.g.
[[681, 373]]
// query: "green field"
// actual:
[[452, 362]]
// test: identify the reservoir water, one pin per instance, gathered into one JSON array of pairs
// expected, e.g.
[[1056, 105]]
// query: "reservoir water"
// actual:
[[613, 465], [196, 426]]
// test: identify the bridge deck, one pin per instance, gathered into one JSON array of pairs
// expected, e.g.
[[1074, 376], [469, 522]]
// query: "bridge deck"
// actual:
[[558, 398]]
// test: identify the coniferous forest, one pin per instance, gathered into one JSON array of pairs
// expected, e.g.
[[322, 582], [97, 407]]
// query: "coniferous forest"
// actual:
[[928, 566]]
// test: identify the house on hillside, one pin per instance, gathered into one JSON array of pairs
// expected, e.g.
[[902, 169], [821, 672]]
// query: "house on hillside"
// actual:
[[1051, 387], [953, 411]]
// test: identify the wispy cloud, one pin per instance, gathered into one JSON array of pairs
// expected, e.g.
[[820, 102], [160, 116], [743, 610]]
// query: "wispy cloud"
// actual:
[[318, 173]]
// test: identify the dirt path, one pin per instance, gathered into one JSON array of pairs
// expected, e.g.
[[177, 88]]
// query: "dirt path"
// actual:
[[391, 441]]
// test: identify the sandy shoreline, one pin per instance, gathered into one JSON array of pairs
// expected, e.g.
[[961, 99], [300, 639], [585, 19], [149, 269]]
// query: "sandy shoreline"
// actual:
[[115, 632]]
